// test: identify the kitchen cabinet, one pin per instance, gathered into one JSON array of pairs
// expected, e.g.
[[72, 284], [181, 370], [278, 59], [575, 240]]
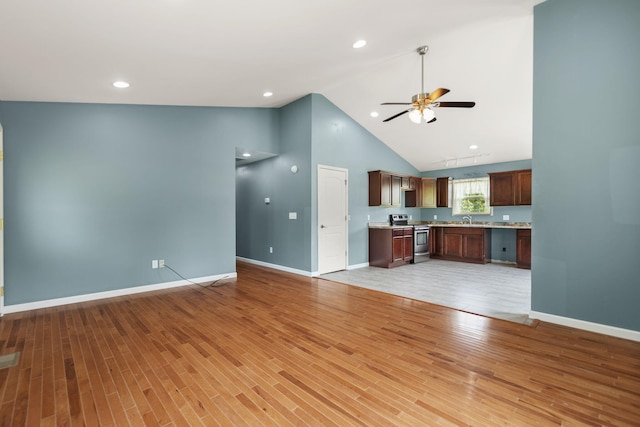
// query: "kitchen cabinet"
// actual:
[[428, 193], [413, 197], [396, 183], [464, 244], [523, 187], [442, 192], [435, 241], [407, 183], [390, 247], [384, 189], [510, 188], [523, 248]]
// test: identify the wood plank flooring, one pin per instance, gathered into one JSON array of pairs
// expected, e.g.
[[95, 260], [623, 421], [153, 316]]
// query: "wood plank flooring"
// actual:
[[272, 348]]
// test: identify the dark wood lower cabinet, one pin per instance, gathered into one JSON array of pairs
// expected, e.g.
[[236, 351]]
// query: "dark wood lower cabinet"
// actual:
[[461, 244], [523, 248], [390, 247]]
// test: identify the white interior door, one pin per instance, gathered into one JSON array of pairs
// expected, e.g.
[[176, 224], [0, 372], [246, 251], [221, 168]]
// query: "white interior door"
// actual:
[[332, 219]]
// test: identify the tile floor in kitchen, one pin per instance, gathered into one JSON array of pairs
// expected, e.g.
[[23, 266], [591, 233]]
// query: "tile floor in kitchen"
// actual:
[[495, 290]]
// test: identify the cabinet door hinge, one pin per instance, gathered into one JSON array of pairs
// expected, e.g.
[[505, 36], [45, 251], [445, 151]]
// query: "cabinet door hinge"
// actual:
[[1, 291], [1, 155], [1, 223]]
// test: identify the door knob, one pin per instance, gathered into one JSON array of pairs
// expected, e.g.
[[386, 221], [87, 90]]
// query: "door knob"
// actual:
[[322, 226]]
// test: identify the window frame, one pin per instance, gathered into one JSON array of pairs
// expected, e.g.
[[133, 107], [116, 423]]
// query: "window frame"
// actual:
[[456, 185]]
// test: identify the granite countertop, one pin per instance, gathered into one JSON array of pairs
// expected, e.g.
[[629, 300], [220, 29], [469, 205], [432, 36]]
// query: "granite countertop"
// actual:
[[475, 224], [386, 225]]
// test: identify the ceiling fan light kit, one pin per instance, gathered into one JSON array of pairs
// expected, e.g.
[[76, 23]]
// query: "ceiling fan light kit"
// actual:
[[422, 104]]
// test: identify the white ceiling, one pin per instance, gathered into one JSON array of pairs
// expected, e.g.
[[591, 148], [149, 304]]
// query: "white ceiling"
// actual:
[[214, 53]]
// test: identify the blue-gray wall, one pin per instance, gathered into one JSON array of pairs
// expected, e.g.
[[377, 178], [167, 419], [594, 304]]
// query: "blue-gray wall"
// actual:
[[313, 132], [94, 192], [341, 142], [260, 225], [586, 161]]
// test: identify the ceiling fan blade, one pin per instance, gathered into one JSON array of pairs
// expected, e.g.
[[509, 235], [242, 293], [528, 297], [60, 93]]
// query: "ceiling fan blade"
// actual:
[[432, 120], [456, 104], [437, 93], [397, 115], [396, 103]]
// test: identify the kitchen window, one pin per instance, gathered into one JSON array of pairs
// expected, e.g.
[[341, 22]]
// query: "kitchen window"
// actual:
[[471, 196]]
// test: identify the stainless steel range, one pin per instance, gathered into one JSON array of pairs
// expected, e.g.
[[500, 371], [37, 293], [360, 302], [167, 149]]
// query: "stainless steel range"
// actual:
[[420, 240], [399, 219]]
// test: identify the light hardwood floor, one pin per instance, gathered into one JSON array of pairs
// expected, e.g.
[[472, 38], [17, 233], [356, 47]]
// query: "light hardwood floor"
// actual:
[[496, 290], [272, 348]]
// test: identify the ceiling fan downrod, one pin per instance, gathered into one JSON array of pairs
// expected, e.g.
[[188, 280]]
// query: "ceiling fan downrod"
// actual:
[[422, 50]]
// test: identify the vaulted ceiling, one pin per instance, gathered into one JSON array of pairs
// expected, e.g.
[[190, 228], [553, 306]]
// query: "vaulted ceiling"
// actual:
[[213, 53]]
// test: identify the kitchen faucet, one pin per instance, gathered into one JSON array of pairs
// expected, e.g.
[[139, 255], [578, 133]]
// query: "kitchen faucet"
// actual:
[[467, 217]]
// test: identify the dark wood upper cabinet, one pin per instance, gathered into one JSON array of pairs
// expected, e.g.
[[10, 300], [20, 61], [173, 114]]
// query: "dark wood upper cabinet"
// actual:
[[442, 192], [384, 189], [510, 188], [523, 187], [502, 188]]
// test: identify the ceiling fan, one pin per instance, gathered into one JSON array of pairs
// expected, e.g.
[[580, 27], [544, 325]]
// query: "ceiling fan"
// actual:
[[422, 104]]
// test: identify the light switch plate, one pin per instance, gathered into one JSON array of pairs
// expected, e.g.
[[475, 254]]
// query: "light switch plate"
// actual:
[[293, 215], [267, 200]]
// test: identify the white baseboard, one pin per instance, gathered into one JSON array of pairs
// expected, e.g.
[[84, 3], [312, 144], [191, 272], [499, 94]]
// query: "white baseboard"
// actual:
[[278, 267], [587, 326], [294, 270], [499, 261], [15, 308], [356, 266]]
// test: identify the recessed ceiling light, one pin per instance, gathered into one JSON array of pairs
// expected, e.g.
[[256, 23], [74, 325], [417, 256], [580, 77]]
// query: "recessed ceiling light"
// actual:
[[246, 154], [473, 147], [374, 114], [359, 44], [267, 94], [121, 84]]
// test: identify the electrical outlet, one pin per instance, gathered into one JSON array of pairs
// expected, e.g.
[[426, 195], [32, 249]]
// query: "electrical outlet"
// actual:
[[410, 217], [435, 217], [505, 217], [154, 263], [368, 217], [293, 215], [161, 263], [270, 249]]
